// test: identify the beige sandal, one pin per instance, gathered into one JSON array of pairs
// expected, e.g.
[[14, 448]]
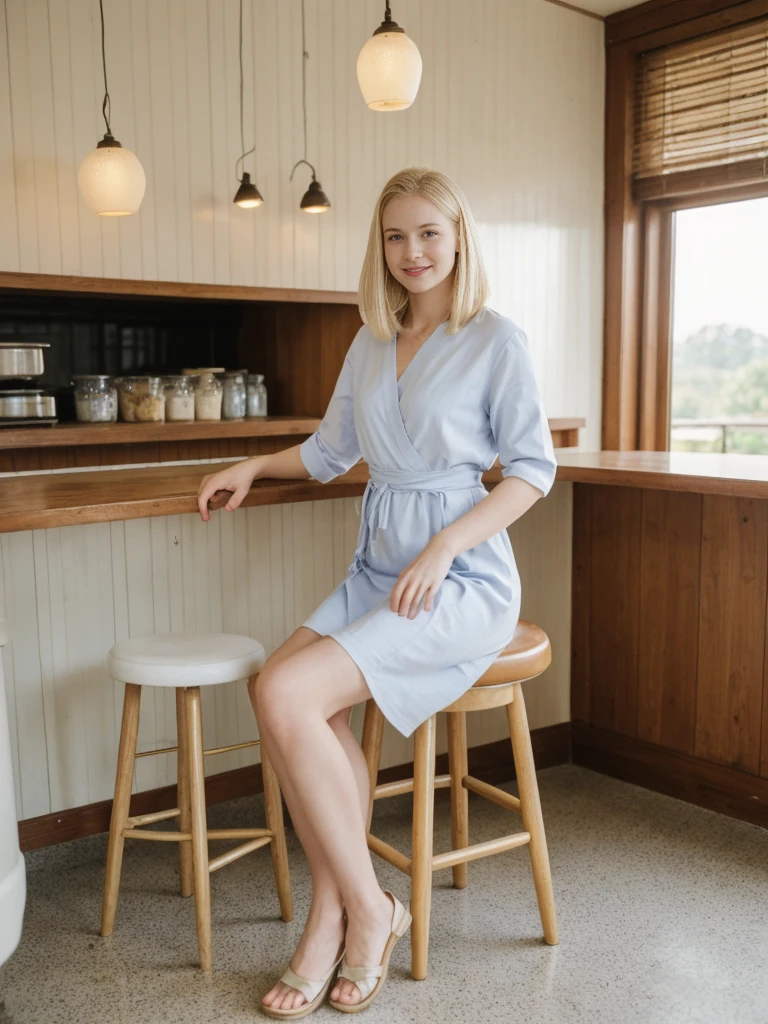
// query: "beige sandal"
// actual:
[[313, 991], [370, 979]]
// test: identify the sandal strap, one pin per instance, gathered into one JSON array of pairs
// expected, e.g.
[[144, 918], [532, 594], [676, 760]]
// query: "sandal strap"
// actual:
[[364, 977], [307, 987]]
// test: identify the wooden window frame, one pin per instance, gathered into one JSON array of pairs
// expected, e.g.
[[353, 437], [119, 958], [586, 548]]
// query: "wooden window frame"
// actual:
[[639, 235]]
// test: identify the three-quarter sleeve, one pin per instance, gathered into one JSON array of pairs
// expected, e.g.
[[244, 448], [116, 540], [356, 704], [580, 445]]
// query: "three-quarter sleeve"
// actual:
[[333, 448], [517, 417]]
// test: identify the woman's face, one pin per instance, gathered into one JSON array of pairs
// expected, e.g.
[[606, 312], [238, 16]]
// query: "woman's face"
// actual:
[[418, 237]]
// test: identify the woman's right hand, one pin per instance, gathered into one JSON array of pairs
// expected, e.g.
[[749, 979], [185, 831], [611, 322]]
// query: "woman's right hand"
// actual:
[[234, 482]]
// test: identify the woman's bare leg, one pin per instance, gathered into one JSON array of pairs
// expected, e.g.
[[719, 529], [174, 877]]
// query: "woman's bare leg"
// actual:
[[325, 925], [318, 776]]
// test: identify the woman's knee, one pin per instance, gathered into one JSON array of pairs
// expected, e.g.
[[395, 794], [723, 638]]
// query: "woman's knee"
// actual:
[[274, 699]]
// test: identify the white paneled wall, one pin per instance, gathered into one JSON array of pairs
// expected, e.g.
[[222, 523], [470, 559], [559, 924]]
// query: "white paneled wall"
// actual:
[[511, 105], [69, 593]]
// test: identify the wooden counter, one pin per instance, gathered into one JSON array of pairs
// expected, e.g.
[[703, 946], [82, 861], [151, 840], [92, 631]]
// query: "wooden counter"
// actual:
[[62, 499], [669, 675], [744, 476]]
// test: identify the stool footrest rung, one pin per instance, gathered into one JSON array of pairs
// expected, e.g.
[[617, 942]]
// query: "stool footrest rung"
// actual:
[[239, 851], [185, 837], [492, 793], [157, 837], [207, 753], [487, 849], [389, 853], [148, 819], [452, 857], [406, 786]]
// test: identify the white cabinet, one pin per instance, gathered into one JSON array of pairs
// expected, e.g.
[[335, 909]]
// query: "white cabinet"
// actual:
[[12, 873]]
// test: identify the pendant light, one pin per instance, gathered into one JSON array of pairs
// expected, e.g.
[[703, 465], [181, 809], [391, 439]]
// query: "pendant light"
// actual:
[[314, 199], [111, 179], [247, 196], [389, 67]]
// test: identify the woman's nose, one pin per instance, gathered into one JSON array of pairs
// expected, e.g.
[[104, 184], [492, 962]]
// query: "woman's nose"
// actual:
[[414, 250]]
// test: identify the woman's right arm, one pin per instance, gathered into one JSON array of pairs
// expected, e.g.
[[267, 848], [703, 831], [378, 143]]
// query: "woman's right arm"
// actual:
[[227, 488]]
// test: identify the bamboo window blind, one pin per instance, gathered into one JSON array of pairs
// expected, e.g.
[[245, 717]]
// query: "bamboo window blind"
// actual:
[[701, 114]]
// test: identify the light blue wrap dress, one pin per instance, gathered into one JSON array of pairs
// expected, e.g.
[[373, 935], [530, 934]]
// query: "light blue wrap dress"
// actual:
[[427, 438]]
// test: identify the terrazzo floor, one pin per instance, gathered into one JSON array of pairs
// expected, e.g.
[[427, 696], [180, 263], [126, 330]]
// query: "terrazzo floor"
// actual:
[[662, 908]]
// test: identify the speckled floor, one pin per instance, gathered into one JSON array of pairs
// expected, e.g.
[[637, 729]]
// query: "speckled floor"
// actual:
[[662, 906]]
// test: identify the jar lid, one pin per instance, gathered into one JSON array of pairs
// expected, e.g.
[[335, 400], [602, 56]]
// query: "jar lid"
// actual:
[[23, 391], [227, 374], [203, 369], [91, 376]]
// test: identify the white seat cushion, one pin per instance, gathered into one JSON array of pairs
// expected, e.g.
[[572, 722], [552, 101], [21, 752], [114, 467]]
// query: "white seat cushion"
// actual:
[[185, 659]]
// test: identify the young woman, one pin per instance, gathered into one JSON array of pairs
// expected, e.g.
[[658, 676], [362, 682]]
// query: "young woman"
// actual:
[[433, 387]]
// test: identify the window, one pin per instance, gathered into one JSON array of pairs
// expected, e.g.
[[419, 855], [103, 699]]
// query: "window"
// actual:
[[719, 371]]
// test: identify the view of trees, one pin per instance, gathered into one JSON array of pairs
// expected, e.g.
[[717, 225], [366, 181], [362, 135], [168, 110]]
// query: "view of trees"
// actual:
[[720, 371]]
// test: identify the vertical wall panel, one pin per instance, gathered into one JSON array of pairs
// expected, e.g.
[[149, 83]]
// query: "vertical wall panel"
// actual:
[[510, 104], [732, 624]]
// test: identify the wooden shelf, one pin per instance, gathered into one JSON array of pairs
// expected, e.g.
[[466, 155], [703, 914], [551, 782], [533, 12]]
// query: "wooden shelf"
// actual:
[[111, 286], [564, 431], [62, 434]]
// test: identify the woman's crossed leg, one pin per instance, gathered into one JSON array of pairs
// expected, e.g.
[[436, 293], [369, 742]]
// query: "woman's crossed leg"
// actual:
[[302, 699]]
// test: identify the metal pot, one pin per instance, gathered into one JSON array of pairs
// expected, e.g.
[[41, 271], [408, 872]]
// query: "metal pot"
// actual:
[[21, 358], [29, 404]]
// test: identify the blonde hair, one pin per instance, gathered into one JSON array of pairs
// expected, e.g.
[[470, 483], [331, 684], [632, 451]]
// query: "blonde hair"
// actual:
[[383, 301]]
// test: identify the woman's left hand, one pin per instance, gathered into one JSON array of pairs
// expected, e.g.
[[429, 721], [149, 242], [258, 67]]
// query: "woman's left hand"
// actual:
[[421, 579]]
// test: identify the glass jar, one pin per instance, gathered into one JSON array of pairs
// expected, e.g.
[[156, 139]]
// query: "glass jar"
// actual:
[[95, 398], [234, 402], [257, 395], [208, 396], [179, 399], [141, 399]]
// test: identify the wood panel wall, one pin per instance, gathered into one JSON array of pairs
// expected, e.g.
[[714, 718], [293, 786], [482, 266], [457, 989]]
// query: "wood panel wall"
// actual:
[[510, 104], [69, 593], [670, 605]]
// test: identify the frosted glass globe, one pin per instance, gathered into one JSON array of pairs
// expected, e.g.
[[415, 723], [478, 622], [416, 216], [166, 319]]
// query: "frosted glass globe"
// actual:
[[112, 181], [389, 71]]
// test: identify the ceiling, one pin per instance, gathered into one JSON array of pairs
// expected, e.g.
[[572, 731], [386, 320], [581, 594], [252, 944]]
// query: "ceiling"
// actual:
[[603, 7]]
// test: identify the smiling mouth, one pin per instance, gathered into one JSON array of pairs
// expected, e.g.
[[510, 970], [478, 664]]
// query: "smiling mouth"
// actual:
[[415, 271]]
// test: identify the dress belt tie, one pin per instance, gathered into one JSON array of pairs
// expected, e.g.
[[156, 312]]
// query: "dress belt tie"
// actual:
[[378, 495]]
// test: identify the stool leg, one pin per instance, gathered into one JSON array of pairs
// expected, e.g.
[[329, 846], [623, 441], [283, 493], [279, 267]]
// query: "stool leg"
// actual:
[[202, 878], [421, 862], [182, 790], [129, 731], [373, 729], [273, 807], [530, 806], [459, 768]]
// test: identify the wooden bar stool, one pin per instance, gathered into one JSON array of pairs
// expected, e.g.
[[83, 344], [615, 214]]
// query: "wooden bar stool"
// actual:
[[186, 662], [526, 656]]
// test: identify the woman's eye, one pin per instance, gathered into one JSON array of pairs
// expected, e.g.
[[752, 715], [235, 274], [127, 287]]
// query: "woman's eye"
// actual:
[[393, 238]]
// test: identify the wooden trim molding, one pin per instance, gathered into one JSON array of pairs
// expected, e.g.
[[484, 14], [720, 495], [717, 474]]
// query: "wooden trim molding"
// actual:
[[491, 762], [111, 286], [639, 234], [714, 786], [659, 22]]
